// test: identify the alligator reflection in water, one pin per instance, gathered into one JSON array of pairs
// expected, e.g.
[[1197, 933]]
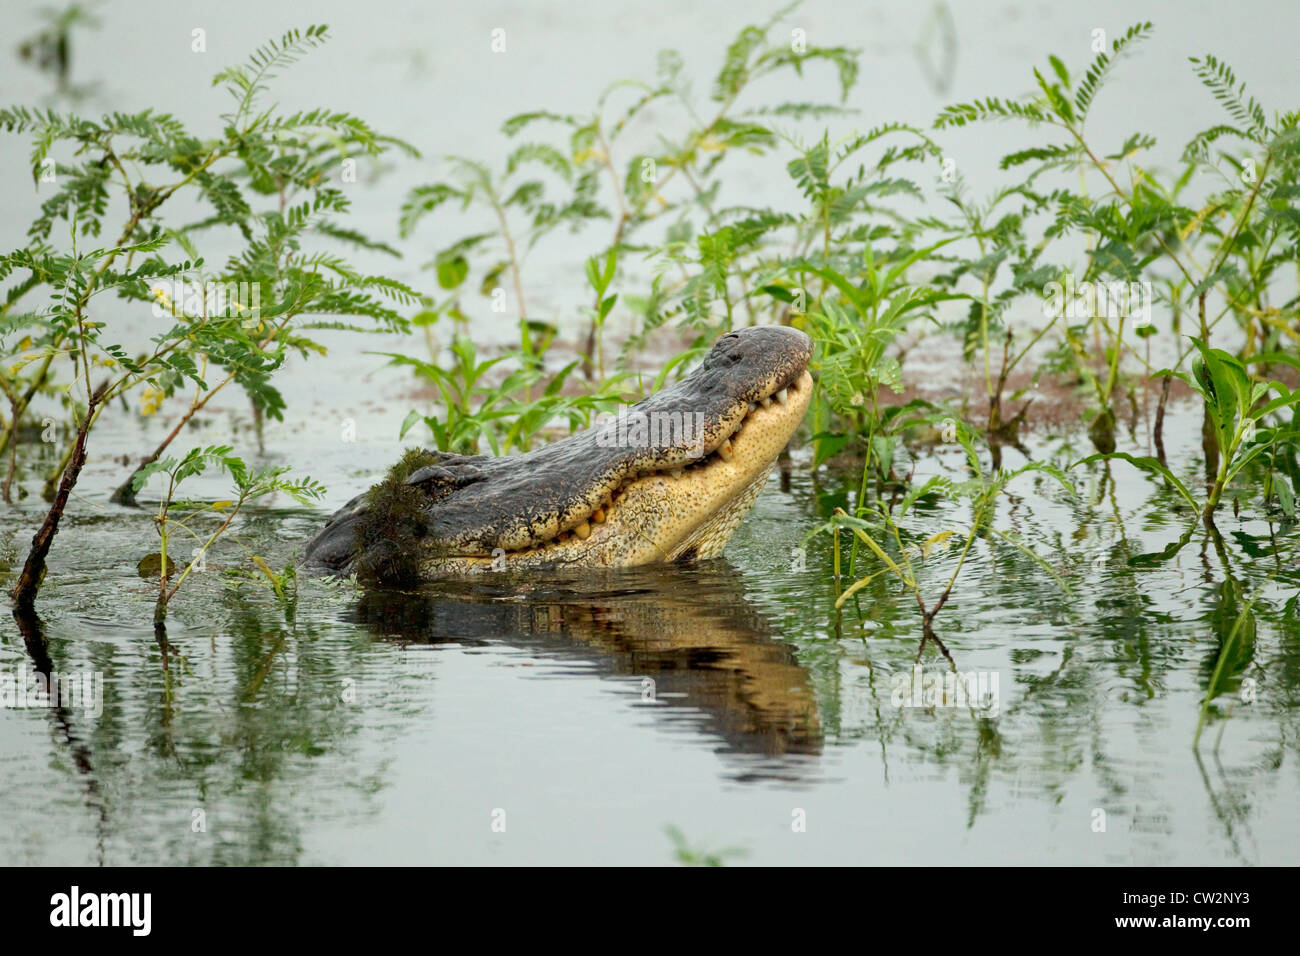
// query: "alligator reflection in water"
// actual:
[[689, 630]]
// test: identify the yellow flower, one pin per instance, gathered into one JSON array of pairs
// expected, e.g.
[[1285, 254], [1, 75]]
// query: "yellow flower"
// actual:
[[151, 400], [164, 300], [936, 542]]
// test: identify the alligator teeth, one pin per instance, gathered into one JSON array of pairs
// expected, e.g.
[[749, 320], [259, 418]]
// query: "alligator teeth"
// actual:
[[767, 401], [598, 516], [676, 472], [783, 396], [724, 450], [753, 406], [583, 531]]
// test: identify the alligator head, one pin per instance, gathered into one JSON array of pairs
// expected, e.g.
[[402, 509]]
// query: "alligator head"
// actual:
[[667, 480]]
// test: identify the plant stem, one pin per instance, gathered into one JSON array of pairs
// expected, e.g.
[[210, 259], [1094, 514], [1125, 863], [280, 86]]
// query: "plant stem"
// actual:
[[125, 493], [29, 581]]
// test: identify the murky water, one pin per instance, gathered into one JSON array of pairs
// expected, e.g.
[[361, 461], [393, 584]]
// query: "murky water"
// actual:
[[574, 720], [729, 700]]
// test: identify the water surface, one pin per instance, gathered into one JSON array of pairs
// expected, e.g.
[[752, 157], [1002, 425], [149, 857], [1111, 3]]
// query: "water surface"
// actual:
[[729, 700]]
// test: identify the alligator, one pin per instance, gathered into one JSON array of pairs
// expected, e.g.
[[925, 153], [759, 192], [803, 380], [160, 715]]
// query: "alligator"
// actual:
[[667, 480]]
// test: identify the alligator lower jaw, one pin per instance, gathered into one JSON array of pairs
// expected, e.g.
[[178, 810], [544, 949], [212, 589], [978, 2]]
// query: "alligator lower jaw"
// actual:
[[664, 516]]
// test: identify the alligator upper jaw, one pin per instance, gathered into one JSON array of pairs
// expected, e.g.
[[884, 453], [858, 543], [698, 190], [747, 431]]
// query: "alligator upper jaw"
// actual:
[[668, 513], [484, 506]]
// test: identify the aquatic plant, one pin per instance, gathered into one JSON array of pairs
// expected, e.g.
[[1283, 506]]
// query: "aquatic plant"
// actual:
[[182, 516], [1138, 227], [981, 491], [1238, 409], [268, 177], [474, 407], [689, 855], [652, 196], [51, 49]]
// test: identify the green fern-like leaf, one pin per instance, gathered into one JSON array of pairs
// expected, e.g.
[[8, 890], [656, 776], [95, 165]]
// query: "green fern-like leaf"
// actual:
[[1104, 63], [245, 82], [1219, 79]]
